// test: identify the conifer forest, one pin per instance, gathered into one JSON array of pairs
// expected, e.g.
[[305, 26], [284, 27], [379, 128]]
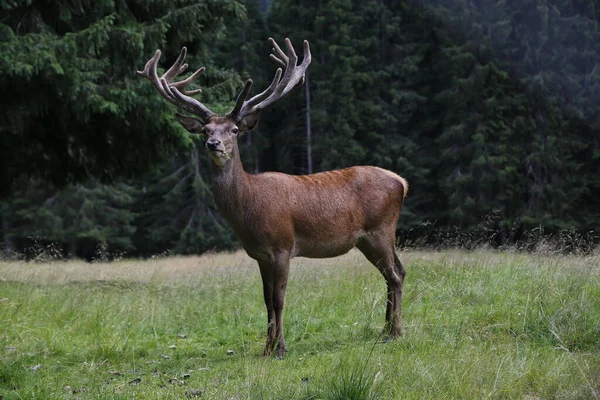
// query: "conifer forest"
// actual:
[[489, 108]]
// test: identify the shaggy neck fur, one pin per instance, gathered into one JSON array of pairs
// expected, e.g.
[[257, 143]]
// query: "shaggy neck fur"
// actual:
[[230, 186]]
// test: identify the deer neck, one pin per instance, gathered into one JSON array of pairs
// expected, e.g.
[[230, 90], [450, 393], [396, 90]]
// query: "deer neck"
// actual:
[[230, 187]]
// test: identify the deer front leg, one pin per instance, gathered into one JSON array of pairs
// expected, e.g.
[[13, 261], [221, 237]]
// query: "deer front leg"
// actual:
[[282, 268], [267, 273]]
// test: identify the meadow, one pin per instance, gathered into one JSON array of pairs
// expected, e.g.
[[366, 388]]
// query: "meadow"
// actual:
[[479, 324]]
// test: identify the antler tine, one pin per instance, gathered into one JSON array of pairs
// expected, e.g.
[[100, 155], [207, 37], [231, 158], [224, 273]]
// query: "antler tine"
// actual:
[[278, 61], [191, 104], [241, 99], [169, 95], [180, 85], [178, 67], [150, 73], [151, 62], [293, 75], [175, 92], [267, 92], [292, 60], [307, 56], [279, 57]]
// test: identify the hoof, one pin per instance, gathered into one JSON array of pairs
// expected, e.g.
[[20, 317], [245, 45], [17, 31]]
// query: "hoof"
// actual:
[[267, 352], [280, 353]]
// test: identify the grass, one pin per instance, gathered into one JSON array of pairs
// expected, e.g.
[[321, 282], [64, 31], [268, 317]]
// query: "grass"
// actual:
[[478, 324]]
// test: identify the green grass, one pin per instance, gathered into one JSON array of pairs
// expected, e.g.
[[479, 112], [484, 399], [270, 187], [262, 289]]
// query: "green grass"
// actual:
[[477, 325]]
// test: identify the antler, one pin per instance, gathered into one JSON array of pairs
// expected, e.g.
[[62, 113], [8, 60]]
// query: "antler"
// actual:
[[280, 86], [174, 91]]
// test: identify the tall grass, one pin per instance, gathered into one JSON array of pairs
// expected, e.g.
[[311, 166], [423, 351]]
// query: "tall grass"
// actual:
[[478, 324]]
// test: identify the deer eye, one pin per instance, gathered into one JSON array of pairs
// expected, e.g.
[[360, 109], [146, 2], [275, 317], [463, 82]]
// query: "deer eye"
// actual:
[[235, 131]]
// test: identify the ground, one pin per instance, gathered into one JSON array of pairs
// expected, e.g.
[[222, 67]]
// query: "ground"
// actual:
[[480, 324]]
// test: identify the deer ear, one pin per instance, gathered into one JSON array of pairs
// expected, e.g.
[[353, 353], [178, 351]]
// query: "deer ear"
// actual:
[[192, 125], [249, 121]]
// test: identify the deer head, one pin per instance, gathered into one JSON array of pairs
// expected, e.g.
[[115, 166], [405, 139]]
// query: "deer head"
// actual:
[[221, 132]]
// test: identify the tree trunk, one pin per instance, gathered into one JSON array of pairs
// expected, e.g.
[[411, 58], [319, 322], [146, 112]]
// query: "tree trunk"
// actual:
[[309, 160]]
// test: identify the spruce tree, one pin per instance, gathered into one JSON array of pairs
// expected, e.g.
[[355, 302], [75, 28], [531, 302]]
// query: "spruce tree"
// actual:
[[72, 106]]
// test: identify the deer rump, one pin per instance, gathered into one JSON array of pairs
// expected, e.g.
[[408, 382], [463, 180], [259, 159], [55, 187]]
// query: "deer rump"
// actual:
[[319, 215]]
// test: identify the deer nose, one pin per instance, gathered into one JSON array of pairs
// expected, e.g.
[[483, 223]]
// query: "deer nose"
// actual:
[[213, 144]]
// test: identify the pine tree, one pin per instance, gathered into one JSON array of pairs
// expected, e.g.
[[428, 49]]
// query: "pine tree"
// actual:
[[78, 219], [487, 107], [72, 105], [176, 210]]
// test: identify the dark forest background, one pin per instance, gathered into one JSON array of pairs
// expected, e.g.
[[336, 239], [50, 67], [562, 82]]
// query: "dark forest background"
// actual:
[[489, 108]]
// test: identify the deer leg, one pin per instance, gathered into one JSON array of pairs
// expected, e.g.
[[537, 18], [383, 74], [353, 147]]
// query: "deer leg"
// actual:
[[383, 256], [266, 273], [400, 273], [389, 309], [282, 267]]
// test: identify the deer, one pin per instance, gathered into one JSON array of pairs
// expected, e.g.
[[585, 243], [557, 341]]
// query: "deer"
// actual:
[[277, 216]]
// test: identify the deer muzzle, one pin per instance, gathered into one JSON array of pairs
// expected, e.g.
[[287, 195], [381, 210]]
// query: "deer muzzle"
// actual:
[[213, 144]]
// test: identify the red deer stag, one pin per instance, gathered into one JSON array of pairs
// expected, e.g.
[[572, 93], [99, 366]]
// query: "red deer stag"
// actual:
[[278, 216]]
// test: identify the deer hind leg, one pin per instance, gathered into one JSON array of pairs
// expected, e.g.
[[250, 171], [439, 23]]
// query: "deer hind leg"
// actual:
[[401, 273], [380, 251]]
